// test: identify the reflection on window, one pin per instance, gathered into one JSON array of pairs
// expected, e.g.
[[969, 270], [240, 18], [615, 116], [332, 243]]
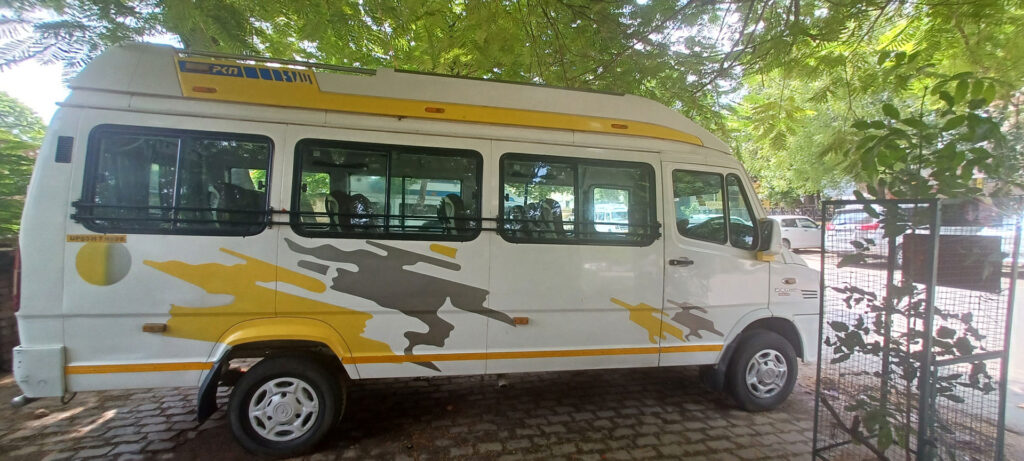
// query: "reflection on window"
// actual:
[[611, 210], [572, 200], [698, 202], [741, 216], [145, 180], [349, 189], [701, 213], [540, 199]]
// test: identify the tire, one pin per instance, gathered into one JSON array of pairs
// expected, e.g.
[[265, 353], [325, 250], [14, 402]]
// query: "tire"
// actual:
[[297, 389], [763, 355], [786, 244]]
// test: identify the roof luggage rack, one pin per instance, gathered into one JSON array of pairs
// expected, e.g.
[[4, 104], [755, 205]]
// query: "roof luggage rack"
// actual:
[[360, 70], [288, 62]]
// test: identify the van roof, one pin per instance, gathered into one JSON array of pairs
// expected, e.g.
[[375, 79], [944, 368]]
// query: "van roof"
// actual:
[[161, 70]]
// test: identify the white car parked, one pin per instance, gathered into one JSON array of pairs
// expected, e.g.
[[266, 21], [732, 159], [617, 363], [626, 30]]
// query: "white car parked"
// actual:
[[799, 232]]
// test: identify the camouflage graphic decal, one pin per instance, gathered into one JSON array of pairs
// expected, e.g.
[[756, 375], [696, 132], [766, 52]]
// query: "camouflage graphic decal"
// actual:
[[253, 301], [385, 280], [651, 320], [693, 322]]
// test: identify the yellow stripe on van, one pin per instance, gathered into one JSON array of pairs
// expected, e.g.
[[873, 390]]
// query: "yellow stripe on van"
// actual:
[[227, 81], [368, 359], [443, 250], [358, 359], [136, 368]]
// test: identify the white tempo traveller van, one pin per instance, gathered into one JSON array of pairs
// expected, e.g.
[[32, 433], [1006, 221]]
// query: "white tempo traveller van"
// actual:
[[189, 209]]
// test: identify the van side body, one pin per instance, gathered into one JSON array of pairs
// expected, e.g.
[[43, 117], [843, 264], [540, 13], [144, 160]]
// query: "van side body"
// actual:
[[187, 210]]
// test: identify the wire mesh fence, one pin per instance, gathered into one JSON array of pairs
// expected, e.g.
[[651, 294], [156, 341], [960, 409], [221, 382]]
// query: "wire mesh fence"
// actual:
[[902, 278]]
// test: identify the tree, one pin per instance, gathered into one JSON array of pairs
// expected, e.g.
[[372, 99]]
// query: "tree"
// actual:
[[782, 81], [21, 133], [795, 127]]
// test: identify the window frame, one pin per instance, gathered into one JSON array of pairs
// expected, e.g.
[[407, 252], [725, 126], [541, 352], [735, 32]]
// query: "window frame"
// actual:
[[726, 211], [298, 226], [725, 206], [92, 161], [653, 235], [756, 240]]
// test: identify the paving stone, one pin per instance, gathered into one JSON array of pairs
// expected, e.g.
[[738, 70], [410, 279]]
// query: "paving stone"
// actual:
[[153, 420], [486, 447], [158, 446], [720, 444], [749, 453], [581, 415], [155, 428], [121, 431], [128, 448], [93, 452], [59, 456], [164, 435], [25, 451], [128, 438]]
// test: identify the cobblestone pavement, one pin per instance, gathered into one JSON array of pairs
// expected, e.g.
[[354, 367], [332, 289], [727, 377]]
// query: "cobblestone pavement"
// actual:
[[597, 414], [580, 415]]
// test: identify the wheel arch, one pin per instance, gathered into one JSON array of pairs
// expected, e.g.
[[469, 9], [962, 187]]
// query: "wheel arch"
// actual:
[[270, 336], [781, 325]]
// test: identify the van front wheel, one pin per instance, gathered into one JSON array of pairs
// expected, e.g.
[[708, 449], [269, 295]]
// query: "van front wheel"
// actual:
[[284, 406], [762, 371]]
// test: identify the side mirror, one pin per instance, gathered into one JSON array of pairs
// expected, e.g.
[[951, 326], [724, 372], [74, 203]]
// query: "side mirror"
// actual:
[[770, 242]]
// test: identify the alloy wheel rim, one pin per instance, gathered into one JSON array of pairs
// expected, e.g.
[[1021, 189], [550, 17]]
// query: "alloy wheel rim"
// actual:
[[283, 409], [766, 373]]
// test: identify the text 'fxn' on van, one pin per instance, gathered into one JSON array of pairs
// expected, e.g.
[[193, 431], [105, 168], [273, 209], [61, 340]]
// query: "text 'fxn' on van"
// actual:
[[344, 224]]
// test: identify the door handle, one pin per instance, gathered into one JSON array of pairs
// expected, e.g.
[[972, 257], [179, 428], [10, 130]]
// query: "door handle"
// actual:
[[680, 262]]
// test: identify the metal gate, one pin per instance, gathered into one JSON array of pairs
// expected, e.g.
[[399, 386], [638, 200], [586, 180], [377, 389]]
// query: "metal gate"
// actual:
[[916, 307]]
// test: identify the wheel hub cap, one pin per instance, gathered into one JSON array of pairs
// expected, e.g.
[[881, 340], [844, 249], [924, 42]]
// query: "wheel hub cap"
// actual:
[[283, 409], [766, 373]]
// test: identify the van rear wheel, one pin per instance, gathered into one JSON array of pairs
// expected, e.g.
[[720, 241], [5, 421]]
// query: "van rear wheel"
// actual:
[[284, 406], [762, 372]]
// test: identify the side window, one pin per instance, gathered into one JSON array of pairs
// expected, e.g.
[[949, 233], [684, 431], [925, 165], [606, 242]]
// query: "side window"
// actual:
[[741, 216], [539, 198], [789, 223], [807, 224], [151, 180], [576, 201], [384, 191], [700, 213]]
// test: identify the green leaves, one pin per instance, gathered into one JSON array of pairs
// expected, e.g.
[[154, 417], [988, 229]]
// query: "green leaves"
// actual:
[[890, 111], [21, 132]]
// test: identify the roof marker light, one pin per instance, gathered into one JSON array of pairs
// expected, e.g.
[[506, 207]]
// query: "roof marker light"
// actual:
[[620, 126], [204, 89], [435, 110]]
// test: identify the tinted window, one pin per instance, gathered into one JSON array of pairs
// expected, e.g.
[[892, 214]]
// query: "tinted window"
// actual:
[[700, 212], [386, 191], [741, 215], [788, 223], [149, 180], [807, 224], [570, 200], [708, 209]]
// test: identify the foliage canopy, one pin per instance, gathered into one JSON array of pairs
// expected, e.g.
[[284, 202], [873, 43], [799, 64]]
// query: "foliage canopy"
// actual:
[[782, 81], [21, 132]]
